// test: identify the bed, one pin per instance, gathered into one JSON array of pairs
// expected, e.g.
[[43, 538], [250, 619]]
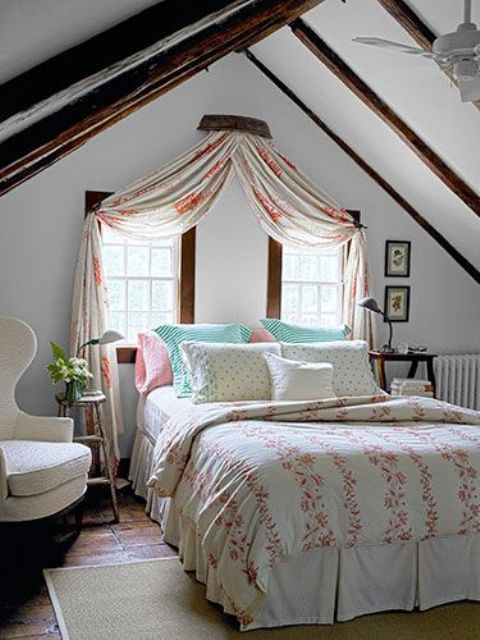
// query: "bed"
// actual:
[[379, 509], [154, 411]]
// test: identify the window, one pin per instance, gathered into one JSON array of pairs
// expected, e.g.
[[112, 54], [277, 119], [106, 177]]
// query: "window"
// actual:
[[312, 286], [142, 280]]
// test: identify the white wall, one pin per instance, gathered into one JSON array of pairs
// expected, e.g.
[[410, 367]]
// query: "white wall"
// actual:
[[32, 31], [40, 224], [231, 273]]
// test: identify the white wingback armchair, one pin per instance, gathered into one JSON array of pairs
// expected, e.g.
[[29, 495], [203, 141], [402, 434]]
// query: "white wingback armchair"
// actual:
[[42, 472]]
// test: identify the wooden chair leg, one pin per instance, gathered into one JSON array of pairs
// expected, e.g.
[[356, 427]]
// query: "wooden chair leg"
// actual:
[[78, 514]]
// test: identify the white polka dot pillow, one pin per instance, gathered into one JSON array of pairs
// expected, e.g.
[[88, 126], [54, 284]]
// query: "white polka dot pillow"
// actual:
[[352, 374], [228, 372]]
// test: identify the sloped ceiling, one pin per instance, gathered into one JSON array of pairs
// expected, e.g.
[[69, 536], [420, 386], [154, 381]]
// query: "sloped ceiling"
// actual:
[[415, 88], [31, 31]]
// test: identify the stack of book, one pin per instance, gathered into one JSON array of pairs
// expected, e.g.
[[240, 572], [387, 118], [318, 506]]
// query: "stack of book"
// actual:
[[411, 387]]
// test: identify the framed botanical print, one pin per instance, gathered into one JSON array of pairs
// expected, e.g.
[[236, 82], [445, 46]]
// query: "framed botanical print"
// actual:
[[397, 303], [397, 258]]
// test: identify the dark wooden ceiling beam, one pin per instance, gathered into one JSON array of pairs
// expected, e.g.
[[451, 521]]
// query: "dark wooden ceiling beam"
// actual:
[[415, 27], [410, 21], [369, 170], [102, 51], [30, 150], [350, 79]]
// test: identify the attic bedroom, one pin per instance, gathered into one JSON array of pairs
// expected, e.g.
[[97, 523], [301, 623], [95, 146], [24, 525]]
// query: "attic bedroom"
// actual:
[[239, 346]]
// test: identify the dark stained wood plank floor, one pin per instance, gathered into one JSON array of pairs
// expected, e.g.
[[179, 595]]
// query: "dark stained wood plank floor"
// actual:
[[25, 608]]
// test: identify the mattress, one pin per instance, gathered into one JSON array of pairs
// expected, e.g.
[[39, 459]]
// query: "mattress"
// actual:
[[155, 410]]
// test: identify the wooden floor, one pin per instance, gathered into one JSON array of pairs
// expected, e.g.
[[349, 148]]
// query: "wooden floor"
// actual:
[[25, 609]]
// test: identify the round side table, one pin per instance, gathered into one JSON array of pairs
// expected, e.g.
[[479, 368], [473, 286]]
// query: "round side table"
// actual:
[[96, 441]]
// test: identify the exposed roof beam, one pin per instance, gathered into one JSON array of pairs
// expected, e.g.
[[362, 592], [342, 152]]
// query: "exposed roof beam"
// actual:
[[415, 27], [410, 21], [350, 79], [124, 90], [369, 170], [113, 46]]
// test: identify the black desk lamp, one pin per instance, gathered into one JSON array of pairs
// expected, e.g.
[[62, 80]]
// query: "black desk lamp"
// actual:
[[371, 305]]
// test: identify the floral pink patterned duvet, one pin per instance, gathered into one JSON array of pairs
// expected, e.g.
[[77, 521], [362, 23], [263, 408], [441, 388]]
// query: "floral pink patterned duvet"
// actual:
[[264, 480]]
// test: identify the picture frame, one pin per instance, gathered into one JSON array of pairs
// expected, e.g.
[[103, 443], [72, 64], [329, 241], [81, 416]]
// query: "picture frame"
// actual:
[[397, 258], [397, 303]]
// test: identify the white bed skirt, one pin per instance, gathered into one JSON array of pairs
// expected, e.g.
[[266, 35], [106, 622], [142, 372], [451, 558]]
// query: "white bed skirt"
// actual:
[[322, 586], [141, 464]]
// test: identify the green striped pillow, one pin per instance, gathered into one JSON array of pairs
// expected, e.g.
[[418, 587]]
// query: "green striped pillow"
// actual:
[[286, 332], [174, 334]]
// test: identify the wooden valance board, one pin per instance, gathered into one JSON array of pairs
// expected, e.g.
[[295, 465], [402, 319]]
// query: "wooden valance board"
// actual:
[[235, 123], [186, 298]]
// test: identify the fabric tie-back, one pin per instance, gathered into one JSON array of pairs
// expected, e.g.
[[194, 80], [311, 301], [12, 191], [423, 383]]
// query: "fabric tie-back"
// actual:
[[289, 207]]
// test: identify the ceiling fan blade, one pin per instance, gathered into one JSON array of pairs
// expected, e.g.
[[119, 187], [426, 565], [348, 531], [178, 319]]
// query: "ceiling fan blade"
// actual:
[[441, 60], [469, 88], [389, 44]]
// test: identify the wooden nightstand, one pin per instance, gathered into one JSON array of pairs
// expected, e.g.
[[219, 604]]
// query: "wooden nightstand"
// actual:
[[378, 359], [96, 440]]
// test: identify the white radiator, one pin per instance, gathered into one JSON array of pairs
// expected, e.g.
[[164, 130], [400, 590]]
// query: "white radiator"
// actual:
[[458, 379]]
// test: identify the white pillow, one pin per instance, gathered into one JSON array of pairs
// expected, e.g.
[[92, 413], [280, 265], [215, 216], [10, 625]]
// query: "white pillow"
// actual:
[[352, 374], [293, 380], [228, 372]]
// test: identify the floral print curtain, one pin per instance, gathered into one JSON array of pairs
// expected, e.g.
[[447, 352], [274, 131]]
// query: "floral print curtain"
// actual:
[[169, 202]]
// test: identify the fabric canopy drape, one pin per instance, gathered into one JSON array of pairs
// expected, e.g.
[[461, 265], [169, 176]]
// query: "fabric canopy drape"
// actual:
[[169, 202]]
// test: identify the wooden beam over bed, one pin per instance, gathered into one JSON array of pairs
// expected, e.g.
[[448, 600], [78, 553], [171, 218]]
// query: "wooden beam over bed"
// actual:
[[135, 75], [350, 79], [415, 27], [370, 171]]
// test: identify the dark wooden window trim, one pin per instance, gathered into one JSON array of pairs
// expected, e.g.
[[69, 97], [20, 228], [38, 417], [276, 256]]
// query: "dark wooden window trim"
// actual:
[[274, 282], [186, 292]]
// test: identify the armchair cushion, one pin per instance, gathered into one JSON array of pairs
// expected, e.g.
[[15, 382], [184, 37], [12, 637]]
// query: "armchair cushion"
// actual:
[[33, 468]]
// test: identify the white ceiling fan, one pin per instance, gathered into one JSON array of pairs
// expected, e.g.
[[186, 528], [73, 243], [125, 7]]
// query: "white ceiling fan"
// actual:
[[457, 52]]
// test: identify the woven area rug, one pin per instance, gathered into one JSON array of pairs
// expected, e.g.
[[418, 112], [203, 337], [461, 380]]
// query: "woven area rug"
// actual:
[[156, 599]]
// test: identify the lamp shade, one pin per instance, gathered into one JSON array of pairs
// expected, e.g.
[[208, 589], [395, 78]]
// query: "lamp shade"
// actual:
[[370, 304], [110, 336]]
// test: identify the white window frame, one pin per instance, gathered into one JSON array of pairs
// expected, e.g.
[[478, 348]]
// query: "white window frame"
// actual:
[[298, 316], [174, 278]]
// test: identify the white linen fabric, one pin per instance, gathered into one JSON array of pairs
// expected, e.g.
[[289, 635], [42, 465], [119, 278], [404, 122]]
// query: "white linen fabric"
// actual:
[[352, 472], [291, 380], [349, 582], [228, 372], [172, 200], [352, 373], [41, 470], [23, 508], [34, 470], [153, 412]]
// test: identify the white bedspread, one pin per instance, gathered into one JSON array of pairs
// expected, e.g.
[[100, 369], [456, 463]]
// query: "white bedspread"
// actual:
[[261, 481]]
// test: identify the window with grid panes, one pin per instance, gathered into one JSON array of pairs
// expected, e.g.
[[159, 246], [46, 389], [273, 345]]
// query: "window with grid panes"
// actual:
[[312, 286], [142, 280]]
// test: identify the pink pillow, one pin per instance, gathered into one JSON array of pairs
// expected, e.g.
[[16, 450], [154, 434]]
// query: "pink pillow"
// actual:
[[261, 335], [152, 365]]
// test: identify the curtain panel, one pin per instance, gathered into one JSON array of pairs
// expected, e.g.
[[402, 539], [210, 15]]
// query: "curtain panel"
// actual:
[[287, 204]]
